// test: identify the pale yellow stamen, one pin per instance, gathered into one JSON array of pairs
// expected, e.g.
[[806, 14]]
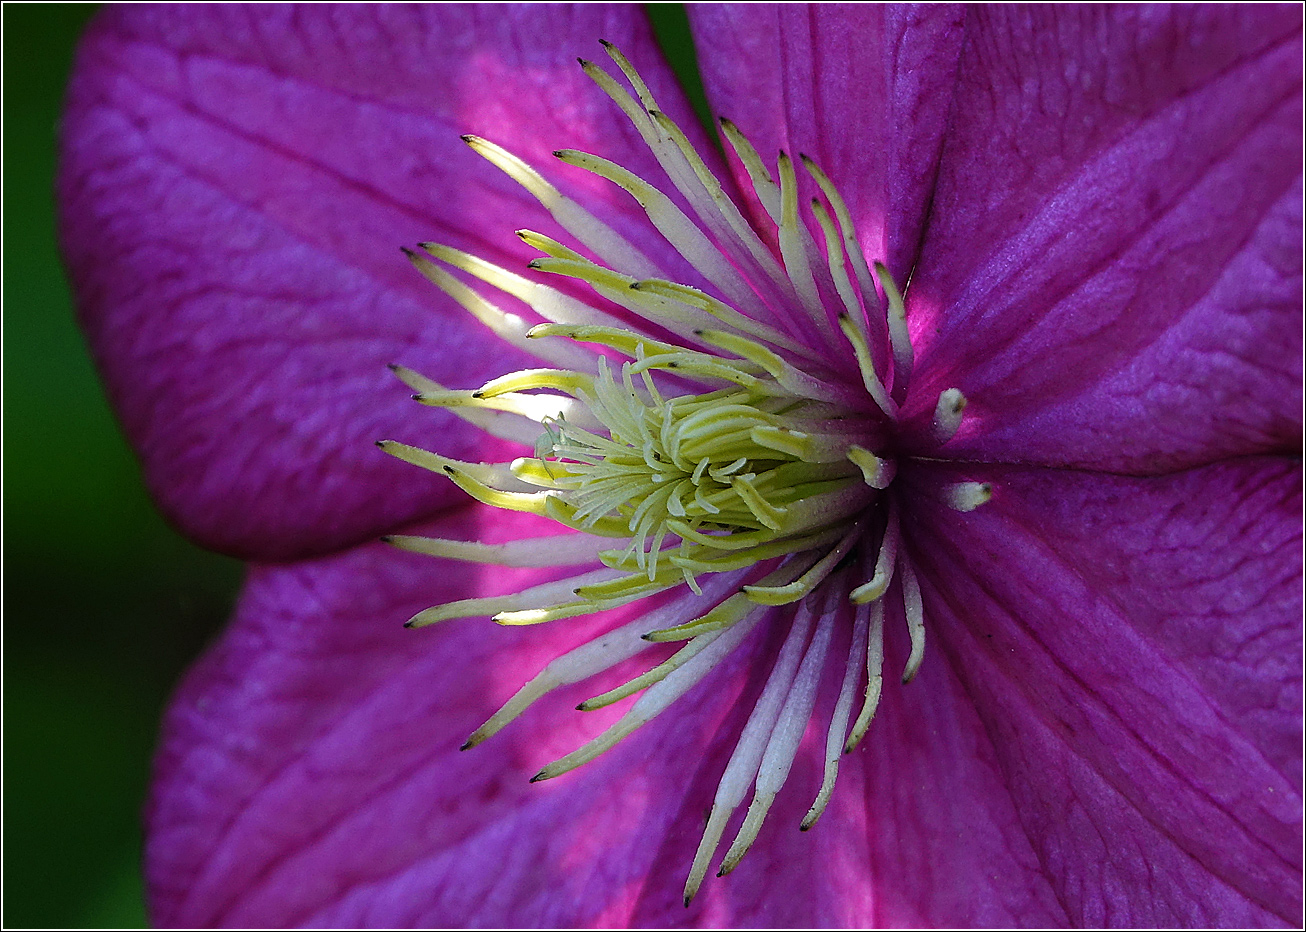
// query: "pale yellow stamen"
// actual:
[[606, 242], [835, 741], [948, 414], [967, 496], [708, 444], [874, 676]]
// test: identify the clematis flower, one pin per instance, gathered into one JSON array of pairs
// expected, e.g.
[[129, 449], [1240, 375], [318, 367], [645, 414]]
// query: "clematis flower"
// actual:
[[1096, 214]]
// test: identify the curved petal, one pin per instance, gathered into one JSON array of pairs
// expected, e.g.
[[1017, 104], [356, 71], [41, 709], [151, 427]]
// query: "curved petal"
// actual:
[[235, 185], [1133, 649], [1112, 268], [863, 89], [310, 774], [946, 846]]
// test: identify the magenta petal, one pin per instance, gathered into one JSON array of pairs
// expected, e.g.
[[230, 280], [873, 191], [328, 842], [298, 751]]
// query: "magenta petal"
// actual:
[[946, 847], [863, 89], [1133, 648], [235, 185], [310, 774], [1112, 268]]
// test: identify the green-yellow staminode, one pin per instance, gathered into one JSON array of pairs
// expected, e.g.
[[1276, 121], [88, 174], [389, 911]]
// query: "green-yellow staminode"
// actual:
[[725, 442]]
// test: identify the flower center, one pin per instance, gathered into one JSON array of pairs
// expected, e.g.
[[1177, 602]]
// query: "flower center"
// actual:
[[716, 441]]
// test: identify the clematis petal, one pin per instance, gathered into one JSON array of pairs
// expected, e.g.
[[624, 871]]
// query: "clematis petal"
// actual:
[[310, 773], [945, 846], [1112, 269], [234, 188], [863, 89], [1133, 649]]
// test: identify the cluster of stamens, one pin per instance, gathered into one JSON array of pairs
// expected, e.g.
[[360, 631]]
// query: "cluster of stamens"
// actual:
[[716, 443]]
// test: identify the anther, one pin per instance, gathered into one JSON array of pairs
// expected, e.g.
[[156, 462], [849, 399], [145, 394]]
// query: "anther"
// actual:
[[877, 471], [947, 414], [967, 496]]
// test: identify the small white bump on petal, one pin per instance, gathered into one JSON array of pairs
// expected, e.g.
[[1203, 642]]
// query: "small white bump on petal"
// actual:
[[948, 414], [967, 496]]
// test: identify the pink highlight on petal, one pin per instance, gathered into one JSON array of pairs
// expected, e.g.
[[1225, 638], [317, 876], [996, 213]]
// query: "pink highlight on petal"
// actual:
[[1099, 213]]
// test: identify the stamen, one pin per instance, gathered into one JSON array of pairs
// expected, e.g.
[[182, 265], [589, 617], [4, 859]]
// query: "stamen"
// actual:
[[536, 595], [792, 592], [738, 227], [696, 182], [877, 471], [884, 563], [853, 315], [835, 740], [496, 423], [911, 598], [967, 496], [747, 756], [653, 702], [590, 658], [857, 340], [899, 339], [874, 612], [508, 327], [605, 242], [557, 550], [672, 224], [495, 476], [789, 377], [723, 313], [710, 435], [794, 250], [783, 744], [947, 414], [564, 380], [848, 235], [549, 303], [767, 190]]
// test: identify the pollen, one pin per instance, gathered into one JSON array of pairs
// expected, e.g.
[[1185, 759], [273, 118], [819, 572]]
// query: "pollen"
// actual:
[[727, 444]]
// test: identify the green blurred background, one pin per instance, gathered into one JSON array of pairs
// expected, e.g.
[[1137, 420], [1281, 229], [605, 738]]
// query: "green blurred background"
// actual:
[[104, 606]]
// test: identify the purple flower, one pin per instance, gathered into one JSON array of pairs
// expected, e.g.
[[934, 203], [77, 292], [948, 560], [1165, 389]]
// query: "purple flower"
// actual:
[[1099, 212]]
